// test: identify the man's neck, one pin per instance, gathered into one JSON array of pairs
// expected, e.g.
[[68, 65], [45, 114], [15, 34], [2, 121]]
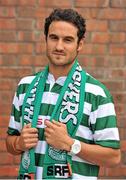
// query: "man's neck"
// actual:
[[59, 71]]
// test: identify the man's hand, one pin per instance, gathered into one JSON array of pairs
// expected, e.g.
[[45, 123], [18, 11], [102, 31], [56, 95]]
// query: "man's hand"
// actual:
[[27, 139], [57, 136]]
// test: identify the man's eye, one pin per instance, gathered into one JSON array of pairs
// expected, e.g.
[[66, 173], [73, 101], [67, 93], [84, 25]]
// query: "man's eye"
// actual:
[[53, 37], [67, 40]]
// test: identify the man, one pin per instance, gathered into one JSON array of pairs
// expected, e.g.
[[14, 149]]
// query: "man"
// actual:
[[63, 120]]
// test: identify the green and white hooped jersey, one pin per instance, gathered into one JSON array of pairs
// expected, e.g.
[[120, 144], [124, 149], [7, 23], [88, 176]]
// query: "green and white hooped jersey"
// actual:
[[98, 125]]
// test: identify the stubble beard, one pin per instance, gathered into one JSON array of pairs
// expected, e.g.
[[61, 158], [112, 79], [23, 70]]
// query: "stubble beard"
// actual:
[[62, 64]]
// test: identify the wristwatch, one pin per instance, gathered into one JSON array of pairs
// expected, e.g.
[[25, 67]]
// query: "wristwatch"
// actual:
[[76, 147]]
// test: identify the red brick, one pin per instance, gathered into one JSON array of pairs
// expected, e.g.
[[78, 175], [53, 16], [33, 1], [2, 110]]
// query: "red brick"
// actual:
[[102, 61], [7, 59], [5, 159], [118, 73], [4, 110], [90, 3], [28, 12], [123, 158], [40, 24], [117, 37], [14, 48], [115, 61], [117, 49], [111, 13], [2, 147], [8, 48], [4, 121], [26, 36], [122, 125], [8, 2], [55, 3], [25, 24], [119, 97], [37, 60], [87, 61], [123, 145], [27, 3], [120, 108], [87, 37], [8, 36], [7, 12], [17, 160], [99, 37], [3, 132], [87, 13], [39, 36], [40, 48], [99, 61], [122, 134], [117, 3], [87, 49], [15, 72], [7, 24], [97, 25], [42, 12], [118, 26], [104, 13], [93, 49], [114, 85], [5, 97], [9, 171], [116, 171], [96, 72], [19, 2]]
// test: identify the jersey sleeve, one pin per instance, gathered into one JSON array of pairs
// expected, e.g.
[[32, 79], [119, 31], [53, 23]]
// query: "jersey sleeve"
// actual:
[[104, 122], [14, 127], [15, 123]]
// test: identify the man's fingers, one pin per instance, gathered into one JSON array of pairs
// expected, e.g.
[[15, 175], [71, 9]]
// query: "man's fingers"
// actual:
[[27, 125], [48, 124], [32, 135], [56, 123], [31, 140], [53, 124], [27, 128], [30, 145]]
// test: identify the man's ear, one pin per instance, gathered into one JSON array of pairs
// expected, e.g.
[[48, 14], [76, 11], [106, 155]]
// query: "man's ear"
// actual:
[[80, 45]]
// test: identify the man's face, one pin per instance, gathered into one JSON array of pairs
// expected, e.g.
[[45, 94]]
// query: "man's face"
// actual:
[[62, 43]]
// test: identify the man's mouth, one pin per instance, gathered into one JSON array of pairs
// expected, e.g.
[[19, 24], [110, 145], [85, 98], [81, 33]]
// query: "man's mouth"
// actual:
[[59, 53]]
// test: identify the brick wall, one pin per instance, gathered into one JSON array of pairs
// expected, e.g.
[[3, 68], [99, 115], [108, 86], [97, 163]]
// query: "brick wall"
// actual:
[[22, 52]]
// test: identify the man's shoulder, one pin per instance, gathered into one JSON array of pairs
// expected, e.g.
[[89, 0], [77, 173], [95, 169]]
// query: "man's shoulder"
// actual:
[[24, 83], [96, 87], [27, 79]]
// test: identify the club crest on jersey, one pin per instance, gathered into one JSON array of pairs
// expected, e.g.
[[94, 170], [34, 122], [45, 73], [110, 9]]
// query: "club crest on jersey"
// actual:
[[26, 160], [57, 154]]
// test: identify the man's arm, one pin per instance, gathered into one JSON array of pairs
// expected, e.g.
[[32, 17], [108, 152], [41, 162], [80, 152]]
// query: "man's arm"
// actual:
[[100, 155], [57, 136], [27, 139]]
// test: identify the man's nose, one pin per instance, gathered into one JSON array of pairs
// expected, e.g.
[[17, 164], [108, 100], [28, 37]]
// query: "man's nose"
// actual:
[[59, 45]]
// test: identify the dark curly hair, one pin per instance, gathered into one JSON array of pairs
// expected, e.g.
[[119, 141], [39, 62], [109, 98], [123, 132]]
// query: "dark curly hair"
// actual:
[[68, 15]]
